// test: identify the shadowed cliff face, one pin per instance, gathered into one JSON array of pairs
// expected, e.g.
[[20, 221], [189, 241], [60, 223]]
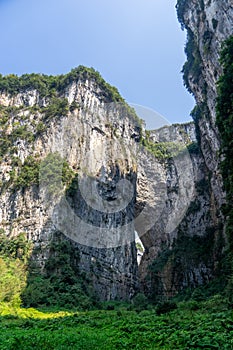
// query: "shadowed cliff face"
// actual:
[[183, 264], [76, 161], [208, 25], [183, 246]]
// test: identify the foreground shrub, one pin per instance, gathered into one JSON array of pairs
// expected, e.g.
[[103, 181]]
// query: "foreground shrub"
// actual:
[[165, 307]]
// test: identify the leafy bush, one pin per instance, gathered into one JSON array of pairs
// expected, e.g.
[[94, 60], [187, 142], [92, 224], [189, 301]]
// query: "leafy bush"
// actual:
[[13, 84], [193, 148], [57, 107], [165, 307], [224, 122], [22, 132], [14, 254], [16, 247], [40, 128], [163, 150], [207, 327], [140, 302], [193, 66], [55, 172], [12, 280], [28, 174], [180, 8]]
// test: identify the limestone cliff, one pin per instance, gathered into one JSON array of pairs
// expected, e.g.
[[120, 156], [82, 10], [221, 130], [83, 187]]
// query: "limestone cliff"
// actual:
[[186, 263], [191, 253], [62, 156], [77, 163], [208, 25], [184, 244]]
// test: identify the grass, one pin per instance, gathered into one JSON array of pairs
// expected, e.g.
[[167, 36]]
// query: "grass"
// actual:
[[206, 325]]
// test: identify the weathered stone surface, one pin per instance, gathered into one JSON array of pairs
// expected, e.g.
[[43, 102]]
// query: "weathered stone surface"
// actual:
[[98, 140], [210, 22], [184, 215], [176, 201]]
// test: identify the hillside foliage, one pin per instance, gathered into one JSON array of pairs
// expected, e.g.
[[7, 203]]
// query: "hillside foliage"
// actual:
[[50, 86], [224, 121]]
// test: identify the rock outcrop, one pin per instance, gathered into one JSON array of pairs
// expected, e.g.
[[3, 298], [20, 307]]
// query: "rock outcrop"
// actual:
[[79, 163], [208, 24], [76, 161], [183, 264], [183, 245], [62, 160]]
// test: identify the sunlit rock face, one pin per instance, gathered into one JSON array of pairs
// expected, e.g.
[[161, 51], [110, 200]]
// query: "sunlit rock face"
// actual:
[[79, 163], [111, 187], [95, 210]]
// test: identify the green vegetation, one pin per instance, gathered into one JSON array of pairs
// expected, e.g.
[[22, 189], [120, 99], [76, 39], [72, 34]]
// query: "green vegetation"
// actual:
[[167, 150], [55, 172], [180, 9], [85, 73], [52, 90], [28, 173], [51, 86], [61, 284], [13, 84], [203, 325], [193, 148], [224, 122], [21, 132], [193, 66], [200, 323], [163, 150], [139, 247], [11, 133], [165, 307], [56, 108], [14, 254], [40, 128], [186, 254]]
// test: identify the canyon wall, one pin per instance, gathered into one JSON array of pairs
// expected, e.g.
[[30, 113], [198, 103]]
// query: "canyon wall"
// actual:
[[77, 164]]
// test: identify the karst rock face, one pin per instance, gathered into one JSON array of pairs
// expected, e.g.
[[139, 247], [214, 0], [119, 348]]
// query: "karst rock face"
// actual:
[[95, 139], [77, 163], [208, 24], [81, 166]]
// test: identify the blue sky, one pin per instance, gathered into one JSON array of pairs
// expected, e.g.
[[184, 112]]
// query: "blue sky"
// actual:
[[136, 45]]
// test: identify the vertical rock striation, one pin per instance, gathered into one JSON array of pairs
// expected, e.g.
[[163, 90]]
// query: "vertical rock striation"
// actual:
[[59, 175], [76, 161], [208, 25]]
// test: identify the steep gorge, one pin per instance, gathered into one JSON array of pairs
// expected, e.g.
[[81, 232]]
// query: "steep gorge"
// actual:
[[191, 255], [77, 165]]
